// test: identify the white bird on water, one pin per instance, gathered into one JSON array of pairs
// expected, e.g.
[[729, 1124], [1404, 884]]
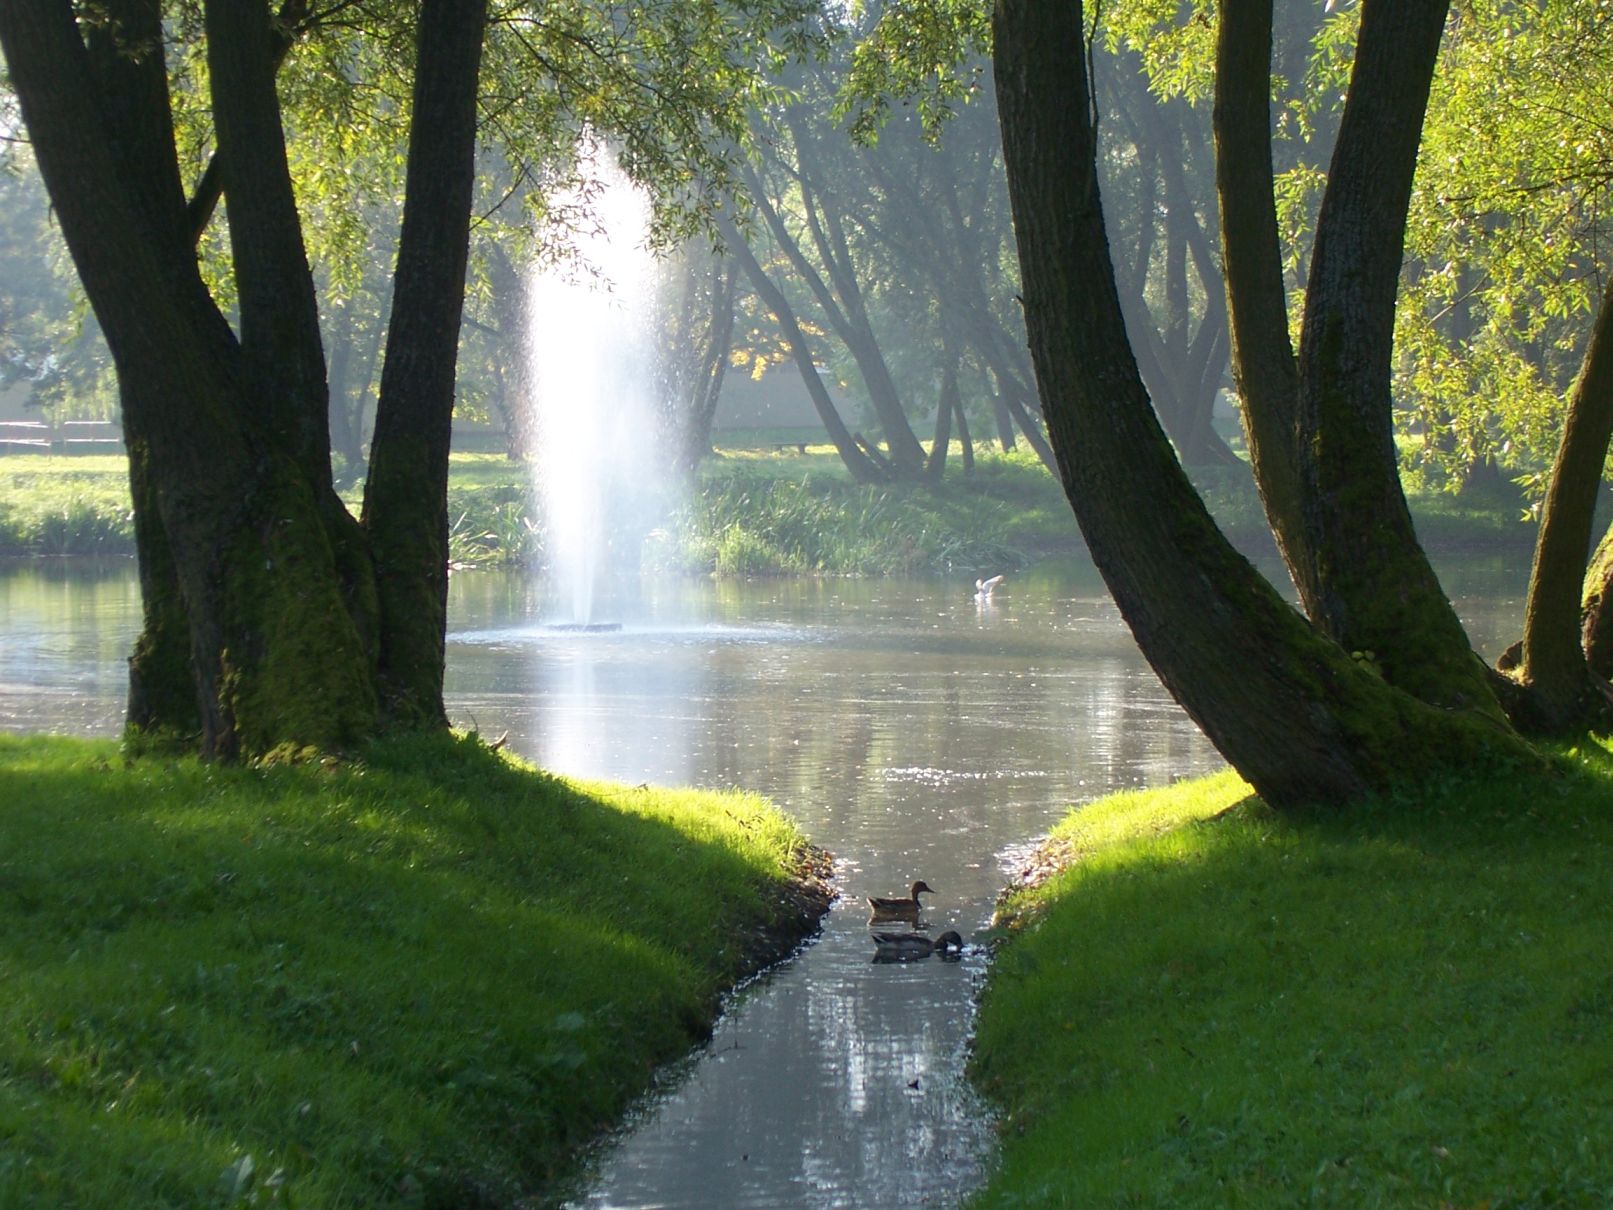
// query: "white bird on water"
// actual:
[[983, 588]]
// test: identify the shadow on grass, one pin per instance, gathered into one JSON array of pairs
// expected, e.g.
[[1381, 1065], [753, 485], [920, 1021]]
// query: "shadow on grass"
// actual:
[[425, 978]]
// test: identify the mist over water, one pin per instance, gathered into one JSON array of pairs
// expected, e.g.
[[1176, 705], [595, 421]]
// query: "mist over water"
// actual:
[[595, 382]]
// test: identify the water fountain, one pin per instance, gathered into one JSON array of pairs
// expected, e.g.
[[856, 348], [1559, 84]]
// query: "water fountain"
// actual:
[[592, 350]]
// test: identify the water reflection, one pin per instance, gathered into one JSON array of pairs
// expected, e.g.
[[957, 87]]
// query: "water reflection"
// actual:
[[66, 627], [914, 732]]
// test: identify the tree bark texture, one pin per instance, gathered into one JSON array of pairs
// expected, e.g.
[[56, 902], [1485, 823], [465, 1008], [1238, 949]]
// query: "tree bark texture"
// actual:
[[1376, 591], [1263, 363], [405, 496], [209, 190], [282, 356], [1597, 627], [238, 566], [125, 61], [1291, 711]]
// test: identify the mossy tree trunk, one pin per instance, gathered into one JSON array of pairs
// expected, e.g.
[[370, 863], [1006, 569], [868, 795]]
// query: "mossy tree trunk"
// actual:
[[406, 494], [162, 691], [1291, 710], [256, 580], [1597, 626], [1378, 593]]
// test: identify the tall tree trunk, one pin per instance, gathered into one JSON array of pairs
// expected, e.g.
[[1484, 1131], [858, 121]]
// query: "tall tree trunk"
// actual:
[[162, 688], [273, 652], [1597, 627], [948, 403], [1263, 364], [1004, 419], [966, 443], [1377, 591], [509, 292], [405, 496], [1291, 711], [125, 62], [210, 188], [282, 354]]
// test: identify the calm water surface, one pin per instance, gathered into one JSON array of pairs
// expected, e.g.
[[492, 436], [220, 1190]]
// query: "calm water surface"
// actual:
[[914, 733]]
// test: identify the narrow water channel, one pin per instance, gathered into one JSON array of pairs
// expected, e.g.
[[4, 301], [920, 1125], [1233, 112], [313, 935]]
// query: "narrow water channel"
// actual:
[[915, 734], [911, 731]]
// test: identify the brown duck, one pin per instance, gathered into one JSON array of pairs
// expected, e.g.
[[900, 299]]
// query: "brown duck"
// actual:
[[898, 909]]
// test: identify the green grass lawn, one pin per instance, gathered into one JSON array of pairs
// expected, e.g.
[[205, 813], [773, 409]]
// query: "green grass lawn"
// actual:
[[428, 977], [1409, 1005]]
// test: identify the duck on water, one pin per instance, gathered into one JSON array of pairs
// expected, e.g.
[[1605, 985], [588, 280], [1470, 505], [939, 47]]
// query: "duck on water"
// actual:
[[910, 947], [898, 909]]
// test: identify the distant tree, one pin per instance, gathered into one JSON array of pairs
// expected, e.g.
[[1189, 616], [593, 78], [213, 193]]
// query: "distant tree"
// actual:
[[819, 252], [1165, 241], [696, 337], [857, 459]]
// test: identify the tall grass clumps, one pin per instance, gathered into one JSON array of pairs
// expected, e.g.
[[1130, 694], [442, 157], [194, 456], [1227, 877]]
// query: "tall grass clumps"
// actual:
[[424, 978], [750, 517], [59, 505], [1411, 1004]]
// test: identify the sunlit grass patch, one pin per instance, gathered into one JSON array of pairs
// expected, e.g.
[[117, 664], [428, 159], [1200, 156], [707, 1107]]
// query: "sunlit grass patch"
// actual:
[[59, 505], [1404, 1005], [427, 977]]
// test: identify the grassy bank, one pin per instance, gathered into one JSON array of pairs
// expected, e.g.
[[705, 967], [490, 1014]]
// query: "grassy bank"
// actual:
[[56, 505], [758, 511], [426, 978], [1411, 1005]]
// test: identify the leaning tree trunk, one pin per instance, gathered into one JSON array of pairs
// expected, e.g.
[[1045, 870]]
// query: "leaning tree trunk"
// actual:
[[406, 494], [840, 302], [1563, 694], [1597, 626], [1291, 711]]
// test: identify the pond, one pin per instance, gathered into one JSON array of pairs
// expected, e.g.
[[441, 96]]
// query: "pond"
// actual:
[[913, 732]]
